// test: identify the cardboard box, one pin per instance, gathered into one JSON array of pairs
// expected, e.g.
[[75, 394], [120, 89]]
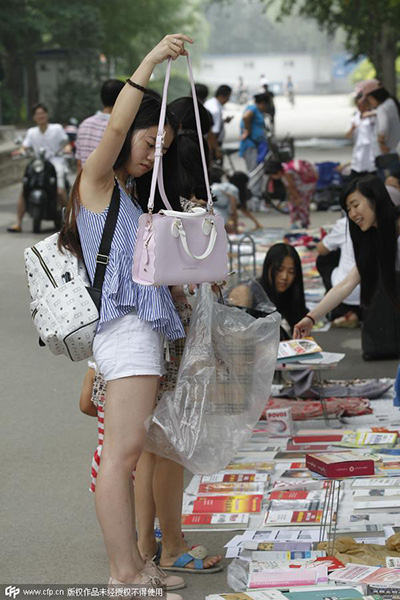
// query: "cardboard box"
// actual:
[[340, 464]]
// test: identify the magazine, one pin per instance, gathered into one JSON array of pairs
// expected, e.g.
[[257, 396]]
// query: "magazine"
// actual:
[[227, 504], [376, 482], [299, 504], [327, 593], [375, 494], [221, 521], [260, 578], [293, 350], [242, 463], [362, 574], [296, 495], [292, 517], [236, 488], [227, 477], [360, 439]]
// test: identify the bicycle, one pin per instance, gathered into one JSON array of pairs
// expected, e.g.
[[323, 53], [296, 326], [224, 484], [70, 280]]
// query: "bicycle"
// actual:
[[274, 191]]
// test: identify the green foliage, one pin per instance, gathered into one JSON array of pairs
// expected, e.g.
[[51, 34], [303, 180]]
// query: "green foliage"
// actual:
[[10, 111], [75, 100], [364, 70], [372, 28], [122, 30]]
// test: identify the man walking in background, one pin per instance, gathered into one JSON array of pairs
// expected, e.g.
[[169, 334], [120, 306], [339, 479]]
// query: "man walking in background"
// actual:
[[215, 107], [91, 129]]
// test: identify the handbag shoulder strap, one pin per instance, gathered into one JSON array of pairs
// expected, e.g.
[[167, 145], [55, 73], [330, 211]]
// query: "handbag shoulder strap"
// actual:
[[106, 239], [157, 176]]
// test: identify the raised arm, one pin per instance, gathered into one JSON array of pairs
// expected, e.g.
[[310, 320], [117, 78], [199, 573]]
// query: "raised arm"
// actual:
[[97, 175], [333, 298]]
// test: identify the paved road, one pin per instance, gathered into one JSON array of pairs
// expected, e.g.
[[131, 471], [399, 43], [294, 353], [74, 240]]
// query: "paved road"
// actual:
[[312, 116], [48, 526]]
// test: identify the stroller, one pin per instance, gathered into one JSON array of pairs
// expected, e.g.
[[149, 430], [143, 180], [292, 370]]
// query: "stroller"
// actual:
[[274, 193], [329, 185]]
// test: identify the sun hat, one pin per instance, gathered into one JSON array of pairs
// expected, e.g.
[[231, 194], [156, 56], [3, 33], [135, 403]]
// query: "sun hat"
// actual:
[[363, 88]]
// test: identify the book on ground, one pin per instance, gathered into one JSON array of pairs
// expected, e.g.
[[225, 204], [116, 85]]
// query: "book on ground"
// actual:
[[340, 464], [293, 517], [227, 504], [259, 578]]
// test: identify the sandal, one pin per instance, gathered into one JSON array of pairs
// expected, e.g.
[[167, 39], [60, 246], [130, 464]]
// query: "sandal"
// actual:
[[196, 555], [14, 229]]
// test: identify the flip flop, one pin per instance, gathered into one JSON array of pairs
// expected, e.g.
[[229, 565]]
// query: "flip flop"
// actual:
[[196, 555], [14, 229]]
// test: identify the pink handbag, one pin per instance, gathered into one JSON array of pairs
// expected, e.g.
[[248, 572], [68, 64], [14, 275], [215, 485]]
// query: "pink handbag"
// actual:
[[172, 247]]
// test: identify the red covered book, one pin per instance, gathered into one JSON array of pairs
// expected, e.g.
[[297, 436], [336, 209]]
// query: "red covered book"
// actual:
[[340, 464]]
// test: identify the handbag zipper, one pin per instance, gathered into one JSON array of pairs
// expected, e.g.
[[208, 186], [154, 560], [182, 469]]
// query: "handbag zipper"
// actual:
[[44, 266]]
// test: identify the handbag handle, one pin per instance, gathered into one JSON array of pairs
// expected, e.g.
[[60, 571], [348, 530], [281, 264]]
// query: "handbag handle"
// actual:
[[180, 230], [157, 176]]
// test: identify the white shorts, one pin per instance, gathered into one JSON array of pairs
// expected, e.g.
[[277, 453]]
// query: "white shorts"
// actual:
[[128, 346]]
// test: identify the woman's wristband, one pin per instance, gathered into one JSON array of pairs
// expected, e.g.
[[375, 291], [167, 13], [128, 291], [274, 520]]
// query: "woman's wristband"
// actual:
[[311, 319]]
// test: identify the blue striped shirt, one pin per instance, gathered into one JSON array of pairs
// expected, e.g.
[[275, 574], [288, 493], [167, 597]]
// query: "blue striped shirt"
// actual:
[[120, 293]]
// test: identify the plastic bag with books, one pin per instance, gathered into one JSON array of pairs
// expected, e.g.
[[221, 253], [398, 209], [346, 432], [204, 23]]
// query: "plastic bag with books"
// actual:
[[223, 384]]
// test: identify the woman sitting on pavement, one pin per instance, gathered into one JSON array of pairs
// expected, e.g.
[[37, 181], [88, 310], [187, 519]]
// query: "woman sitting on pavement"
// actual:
[[282, 280], [374, 224]]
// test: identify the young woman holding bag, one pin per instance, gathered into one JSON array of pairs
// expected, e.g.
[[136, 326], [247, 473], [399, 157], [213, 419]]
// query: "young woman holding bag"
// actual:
[[375, 232], [128, 347]]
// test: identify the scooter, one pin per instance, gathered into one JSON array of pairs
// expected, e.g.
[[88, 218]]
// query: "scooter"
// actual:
[[40, 191]]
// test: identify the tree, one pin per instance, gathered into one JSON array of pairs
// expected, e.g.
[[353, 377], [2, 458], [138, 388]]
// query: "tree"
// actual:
[[372, 28], [122, 30]]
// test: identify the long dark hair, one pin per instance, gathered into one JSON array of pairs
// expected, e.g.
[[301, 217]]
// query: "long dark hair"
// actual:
[[183, 110], [381, 94], [375, 250], [147, 116], [291, 304], [191, 180]]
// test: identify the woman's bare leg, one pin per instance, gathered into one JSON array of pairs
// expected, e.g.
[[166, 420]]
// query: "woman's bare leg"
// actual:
[[137, 559], [145, 505], [159, 490], [129, 402], [168, 494]]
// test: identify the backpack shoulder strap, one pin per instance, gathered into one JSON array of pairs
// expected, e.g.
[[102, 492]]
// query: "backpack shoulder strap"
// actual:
[[105, 245]]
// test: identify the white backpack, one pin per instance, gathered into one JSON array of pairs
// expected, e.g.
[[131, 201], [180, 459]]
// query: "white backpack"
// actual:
[[62, 309], [65, 306]]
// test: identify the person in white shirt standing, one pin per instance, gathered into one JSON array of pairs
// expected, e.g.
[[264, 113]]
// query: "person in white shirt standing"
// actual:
[[364, 133], [335, 261], [215, 107], [91, 130], [52, 138]]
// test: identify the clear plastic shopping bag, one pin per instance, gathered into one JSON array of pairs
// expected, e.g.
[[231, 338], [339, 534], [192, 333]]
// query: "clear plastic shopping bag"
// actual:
[[223, 384]]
